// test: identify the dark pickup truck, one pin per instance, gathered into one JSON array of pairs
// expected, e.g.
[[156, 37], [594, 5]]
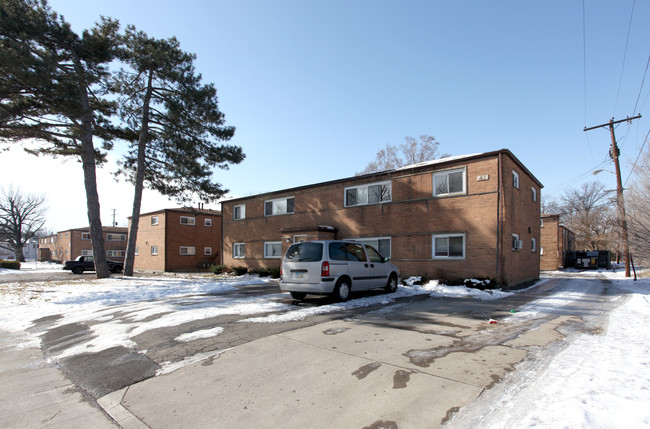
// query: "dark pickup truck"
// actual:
[[87, 263]]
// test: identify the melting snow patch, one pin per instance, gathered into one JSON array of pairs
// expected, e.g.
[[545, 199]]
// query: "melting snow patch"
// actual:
[[198, 335]]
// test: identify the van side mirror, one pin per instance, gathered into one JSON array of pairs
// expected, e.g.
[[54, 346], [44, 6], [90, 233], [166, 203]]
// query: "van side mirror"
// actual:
[[385, 259]]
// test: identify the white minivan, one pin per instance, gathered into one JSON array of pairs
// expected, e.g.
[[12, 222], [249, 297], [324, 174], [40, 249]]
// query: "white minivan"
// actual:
[[335, 267]]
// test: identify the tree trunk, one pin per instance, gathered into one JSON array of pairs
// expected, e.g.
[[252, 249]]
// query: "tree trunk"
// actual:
[[18, 250], [139, 181]]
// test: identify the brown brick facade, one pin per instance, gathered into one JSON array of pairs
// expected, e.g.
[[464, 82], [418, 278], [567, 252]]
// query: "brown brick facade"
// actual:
[[165, 243], [483, 217], [69, 244], [556, 240]]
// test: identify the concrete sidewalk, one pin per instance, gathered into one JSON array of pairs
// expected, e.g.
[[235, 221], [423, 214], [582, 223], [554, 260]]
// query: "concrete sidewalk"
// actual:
[[368, 372]]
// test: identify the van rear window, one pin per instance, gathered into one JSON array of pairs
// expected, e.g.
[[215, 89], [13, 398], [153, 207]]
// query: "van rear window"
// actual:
[[305, 252]]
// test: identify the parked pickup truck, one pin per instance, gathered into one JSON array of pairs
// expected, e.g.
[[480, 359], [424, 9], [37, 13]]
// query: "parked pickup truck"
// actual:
[[87, 263]]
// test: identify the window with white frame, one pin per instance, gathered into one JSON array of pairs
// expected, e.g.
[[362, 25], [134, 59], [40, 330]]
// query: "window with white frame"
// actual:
[[272, 249], [381, 244], [85, 236], [450, 182], [137, 251], [449, 246], [154, 250], [188, 220], [115, 253], [279, 206], [515, 179], [115, 237], [208, 222], [239, 250], [516, 242], [533, 193], [372, 193], [239, 212], [187, 250], [86, 253], [533, 244], [154, 220], [207, 250]]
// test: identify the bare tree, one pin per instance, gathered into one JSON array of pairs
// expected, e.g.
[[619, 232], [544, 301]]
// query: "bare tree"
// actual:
[[22, 216], [408, 153], [590, 213], [638, 210]]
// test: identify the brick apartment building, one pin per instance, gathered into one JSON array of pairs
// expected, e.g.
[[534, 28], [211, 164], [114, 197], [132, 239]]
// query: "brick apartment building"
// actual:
[[555, 241], [179, 239], [69, 244], [458, 217]]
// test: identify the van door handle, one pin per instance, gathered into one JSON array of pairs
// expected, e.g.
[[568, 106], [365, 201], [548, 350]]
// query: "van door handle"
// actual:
[[365, 265], [372, 265]]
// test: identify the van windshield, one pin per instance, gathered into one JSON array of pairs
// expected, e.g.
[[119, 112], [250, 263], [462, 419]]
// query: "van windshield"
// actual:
[[305, 252]]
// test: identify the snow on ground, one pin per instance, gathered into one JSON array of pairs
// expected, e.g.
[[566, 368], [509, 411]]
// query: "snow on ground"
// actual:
[[596, 381], [31, 266]]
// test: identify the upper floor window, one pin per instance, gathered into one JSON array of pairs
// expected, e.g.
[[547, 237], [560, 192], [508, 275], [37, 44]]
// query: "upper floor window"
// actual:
[[207, 250], [154, 220], [449, 182], [188, 220], [116, 237], [239, 212], [516, 242], [368, 194], [533, 244], [279, 206], [533, 193], [187, 250], [154, 250], [208, 222], [85, 236], [449, 246], [515, 179]]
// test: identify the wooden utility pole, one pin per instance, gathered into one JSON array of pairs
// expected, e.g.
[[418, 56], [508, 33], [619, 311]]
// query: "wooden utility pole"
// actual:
[[620, 203]]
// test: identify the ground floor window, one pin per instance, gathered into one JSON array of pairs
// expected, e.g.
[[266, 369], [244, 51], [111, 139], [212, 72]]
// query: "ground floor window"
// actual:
[[238, 250], [449, 246], [273, 249], [154, 250], [86, 253], [207, 250], [115, 253], [187, 250], [381, 244]]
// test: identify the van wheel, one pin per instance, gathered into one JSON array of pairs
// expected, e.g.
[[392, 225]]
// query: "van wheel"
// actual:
[[391, 286], [342, 290], [298, 295]]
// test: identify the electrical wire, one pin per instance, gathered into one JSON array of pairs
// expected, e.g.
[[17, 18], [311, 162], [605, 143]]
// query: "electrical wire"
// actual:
[[637, 158], [627, 39], [579, 178], [641, 89]]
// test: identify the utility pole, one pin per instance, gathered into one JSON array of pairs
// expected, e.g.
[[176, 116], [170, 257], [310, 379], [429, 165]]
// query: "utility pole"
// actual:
[[114, 224], [620, 202]]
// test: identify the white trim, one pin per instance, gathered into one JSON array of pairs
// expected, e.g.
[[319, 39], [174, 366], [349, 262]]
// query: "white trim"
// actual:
[[516, 242], [85, 236], [154, 250], [534, 193], [515, 179], [275, 212], [207, 222], [112, 253], [207, 250], [154, 220], [533, 244], [87, 252], [189, 250], [371, 242], [242, 212], [363, 198], [189, 220], [239, 250], [272, 255], [448, 235], [446, 173]]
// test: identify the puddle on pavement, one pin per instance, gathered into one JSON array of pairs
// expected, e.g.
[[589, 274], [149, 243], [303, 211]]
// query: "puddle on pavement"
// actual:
[[382, 424], [401, 378], [334, 331], [363, 372]]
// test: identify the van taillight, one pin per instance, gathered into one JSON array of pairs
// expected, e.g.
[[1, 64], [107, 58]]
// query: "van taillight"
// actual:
[[325, 269], [280, 270]]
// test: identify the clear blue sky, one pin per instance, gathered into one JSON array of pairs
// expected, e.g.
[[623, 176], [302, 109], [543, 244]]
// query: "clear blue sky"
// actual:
[[315, 88]]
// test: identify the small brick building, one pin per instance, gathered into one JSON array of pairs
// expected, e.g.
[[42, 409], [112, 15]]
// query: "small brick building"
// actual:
[[452, 218], [556, 241], [69, 244], [178, 239]]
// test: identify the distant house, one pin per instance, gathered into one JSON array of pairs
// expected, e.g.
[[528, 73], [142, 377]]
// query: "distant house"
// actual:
[[452, 218], [178, 239], [555, 241], [71, 243]]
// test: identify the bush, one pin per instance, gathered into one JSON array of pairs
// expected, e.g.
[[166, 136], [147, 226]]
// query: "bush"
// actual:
[[219, 269], [274, 272], [263, 272], [239, 270], [12, 265]]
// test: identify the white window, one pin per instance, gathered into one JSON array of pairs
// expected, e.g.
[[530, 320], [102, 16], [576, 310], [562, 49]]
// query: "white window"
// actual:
[[208, 222], [373, 193], [449, 246], [515, 179], [381, 244], [187, 250], [85, 236], [541, 251], [239, 212], [188, 220], [154, 250], [279, 206], [516, 242], [115, 253], [115, 237], [86, 253], [137, 251], [451, 182], [207, 250], [533, 244], [272, 249], [533, 192], [154, 220], [239, 250], [541, 223]]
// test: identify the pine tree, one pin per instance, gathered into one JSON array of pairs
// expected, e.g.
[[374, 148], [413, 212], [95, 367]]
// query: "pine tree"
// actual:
[[175, 125], [52, 90]]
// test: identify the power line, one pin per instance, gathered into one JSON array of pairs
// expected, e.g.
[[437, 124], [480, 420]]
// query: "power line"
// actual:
[[637, 158], [642, 82], [627, 39]]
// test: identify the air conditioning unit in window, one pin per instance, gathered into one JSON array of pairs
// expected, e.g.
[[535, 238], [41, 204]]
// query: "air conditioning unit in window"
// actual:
[[519, 244]]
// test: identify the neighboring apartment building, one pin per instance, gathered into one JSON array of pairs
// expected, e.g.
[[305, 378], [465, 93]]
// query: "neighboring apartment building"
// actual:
[[555, 241], [453, 218], [179, 239], [69, 244]]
